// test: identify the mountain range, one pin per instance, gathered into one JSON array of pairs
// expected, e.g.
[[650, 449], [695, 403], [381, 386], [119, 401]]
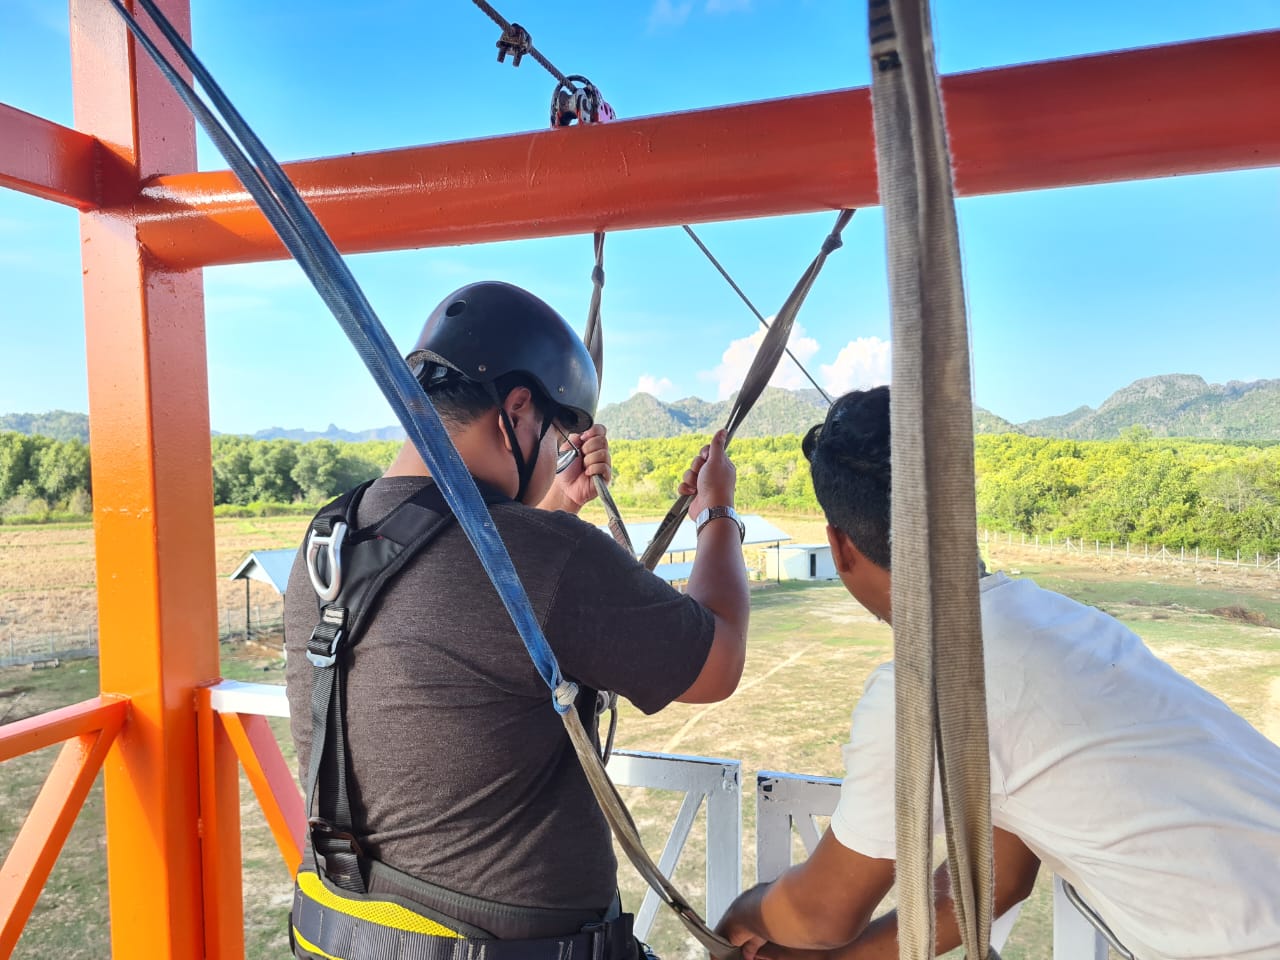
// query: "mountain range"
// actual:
[[1174, 405]]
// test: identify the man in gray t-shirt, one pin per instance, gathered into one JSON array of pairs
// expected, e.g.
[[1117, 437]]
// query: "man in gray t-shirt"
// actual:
[[460, 773]]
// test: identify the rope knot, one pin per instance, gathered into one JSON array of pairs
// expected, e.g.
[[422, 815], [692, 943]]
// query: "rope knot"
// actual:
[[832, 243], [597, 275]]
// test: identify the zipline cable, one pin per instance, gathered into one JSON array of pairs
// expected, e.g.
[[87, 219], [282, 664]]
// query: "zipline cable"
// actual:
[[751, 306], [516, 40], [761, 370]]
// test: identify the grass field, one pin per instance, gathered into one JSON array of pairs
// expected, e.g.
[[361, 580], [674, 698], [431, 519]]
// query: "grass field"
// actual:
[[811, 647]]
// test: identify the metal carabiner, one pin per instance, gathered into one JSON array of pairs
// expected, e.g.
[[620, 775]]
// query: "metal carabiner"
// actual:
[[333, 544]]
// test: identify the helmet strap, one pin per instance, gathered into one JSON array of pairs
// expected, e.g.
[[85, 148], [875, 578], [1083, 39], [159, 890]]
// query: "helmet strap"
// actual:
[[524, 468]]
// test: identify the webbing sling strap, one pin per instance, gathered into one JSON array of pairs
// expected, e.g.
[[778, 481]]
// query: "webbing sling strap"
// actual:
[[349, 566], [319, 259], [939, 678], [594, 340], [762, 367]]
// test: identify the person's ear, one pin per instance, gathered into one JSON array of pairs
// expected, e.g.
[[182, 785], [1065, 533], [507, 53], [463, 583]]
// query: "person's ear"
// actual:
[[843, 553], [518, 404]]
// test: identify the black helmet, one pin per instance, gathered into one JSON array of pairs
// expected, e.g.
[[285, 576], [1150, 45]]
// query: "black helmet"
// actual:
[[490, 329]]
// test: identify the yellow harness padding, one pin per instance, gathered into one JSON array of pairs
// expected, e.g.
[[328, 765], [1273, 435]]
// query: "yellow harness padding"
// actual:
[[382, 912]]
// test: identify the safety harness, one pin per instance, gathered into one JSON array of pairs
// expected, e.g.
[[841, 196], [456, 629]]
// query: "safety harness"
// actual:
[[345, 903]]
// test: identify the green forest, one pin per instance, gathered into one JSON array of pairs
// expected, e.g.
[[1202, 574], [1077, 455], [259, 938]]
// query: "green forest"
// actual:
[[1138, 489]]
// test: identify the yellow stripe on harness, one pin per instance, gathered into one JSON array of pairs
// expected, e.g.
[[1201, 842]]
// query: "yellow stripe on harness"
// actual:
[[310, 947], [380, 912]]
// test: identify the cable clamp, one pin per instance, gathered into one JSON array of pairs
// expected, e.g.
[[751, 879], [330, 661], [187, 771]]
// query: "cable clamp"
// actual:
[[516, 42]]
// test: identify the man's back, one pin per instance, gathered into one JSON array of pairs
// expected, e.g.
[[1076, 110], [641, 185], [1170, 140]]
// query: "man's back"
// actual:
[[461, 771], [1152, 797]]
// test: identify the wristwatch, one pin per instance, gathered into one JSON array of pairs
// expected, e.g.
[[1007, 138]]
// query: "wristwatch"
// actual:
[[715, 513]]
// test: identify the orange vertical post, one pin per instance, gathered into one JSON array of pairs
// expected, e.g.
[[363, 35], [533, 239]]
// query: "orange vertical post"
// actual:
[[219, 837], [153, 492]]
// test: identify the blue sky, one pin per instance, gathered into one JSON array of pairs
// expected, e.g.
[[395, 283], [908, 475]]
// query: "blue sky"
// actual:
[[1073, 293]]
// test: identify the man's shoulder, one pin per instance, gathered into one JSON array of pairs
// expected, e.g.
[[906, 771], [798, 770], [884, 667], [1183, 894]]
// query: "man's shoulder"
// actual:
[[545, 530]]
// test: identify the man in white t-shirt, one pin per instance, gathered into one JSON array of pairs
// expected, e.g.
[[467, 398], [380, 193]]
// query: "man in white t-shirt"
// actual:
[[1148, 794]]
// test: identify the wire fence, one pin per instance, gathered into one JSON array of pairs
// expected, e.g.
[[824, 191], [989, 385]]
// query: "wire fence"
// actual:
[[1136, 552], [236, 623]]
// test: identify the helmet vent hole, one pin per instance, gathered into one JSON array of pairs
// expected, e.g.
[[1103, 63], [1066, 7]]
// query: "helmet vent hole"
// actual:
[[455, 308]]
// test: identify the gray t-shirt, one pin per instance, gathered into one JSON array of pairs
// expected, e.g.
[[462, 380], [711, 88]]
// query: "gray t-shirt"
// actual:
[[461, 771]]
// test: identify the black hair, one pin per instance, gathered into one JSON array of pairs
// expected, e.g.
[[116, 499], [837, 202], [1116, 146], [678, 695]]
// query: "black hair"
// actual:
[[849, 455], [460, 400]]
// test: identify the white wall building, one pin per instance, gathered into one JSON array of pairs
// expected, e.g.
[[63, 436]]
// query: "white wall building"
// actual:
[[800, 561]]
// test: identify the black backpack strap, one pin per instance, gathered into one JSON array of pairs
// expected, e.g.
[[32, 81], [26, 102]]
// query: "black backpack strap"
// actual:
[[349, 567]]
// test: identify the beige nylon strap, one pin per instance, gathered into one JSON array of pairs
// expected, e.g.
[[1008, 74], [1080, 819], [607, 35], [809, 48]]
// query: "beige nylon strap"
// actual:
[[624, 828], [940, 684], [594, 339], [762, 367]]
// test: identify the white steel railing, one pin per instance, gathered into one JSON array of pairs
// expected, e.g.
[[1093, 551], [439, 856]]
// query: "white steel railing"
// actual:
[[719, 783], [785, 802]]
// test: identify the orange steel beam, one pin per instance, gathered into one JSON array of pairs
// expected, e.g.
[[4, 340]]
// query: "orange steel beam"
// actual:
[[46, 729], [272, 781], [219, 837], [153, 496], [47, 160], [45, 830], [1187, 108]]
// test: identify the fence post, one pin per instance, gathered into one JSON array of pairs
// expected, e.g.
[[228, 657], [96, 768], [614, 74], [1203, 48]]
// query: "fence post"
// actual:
[[1237, 556]]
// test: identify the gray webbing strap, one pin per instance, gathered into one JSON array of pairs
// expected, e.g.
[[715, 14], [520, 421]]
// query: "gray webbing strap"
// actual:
[[624, 829], [594, 339], [940, 685], [762, 367]]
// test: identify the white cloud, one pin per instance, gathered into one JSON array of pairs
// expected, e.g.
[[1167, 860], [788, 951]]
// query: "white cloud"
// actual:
[[654, 386], [669, 13], [737, 358], [862, 363]]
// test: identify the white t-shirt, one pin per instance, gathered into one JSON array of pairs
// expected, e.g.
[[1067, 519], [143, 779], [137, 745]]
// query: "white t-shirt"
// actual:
[[1160, 805]]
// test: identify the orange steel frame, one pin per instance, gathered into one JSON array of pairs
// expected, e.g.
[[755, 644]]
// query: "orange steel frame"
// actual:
[[149, 222]]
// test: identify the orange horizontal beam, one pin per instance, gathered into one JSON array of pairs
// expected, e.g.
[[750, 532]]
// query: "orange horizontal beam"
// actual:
[[47, 160], [1188, 108], [46, 729], [36, 848]]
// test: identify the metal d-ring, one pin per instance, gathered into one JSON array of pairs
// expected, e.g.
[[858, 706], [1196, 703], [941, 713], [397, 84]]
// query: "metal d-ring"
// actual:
[[332, 543]]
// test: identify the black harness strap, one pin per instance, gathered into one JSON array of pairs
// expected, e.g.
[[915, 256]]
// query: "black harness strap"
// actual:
[[351, 573]]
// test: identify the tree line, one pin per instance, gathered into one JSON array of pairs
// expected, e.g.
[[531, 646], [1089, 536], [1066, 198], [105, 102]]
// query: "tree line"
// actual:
[[1179, 493]]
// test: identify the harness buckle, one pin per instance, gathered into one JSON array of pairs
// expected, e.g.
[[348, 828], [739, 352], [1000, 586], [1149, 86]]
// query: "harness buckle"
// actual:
[[332, 544], [328, 835], [326, 638]]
